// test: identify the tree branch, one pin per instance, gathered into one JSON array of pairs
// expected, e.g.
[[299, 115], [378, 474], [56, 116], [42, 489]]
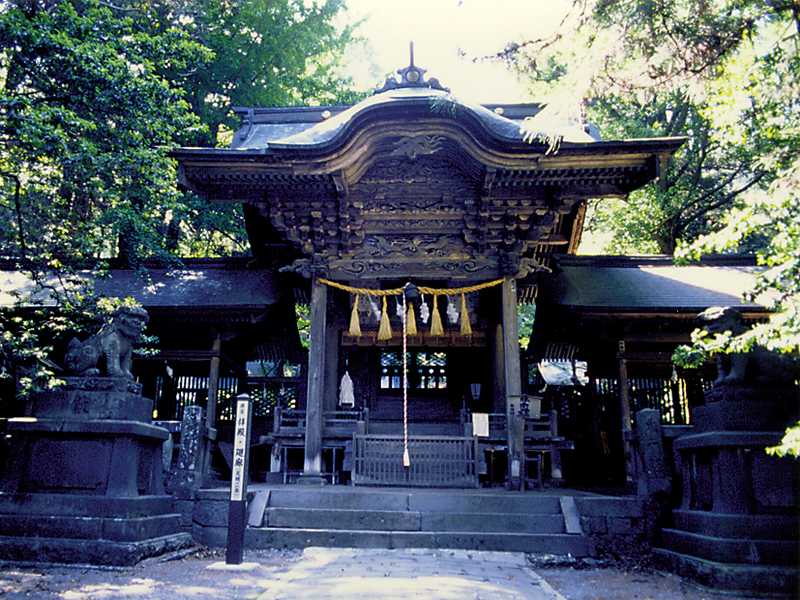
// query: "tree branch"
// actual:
[[726, 199]]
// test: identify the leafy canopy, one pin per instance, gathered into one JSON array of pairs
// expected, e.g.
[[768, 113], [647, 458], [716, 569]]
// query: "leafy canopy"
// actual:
[[727, 75], [93, 95]]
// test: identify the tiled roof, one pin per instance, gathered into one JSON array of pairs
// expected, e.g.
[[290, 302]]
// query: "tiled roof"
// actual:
[[191, 287], [647, 284]]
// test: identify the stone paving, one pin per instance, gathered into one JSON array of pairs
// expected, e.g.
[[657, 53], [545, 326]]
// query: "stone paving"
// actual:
[[342, 573], [326, 573]]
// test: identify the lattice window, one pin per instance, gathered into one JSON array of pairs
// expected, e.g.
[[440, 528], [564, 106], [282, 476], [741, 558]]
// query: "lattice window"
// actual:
[[391, 371], [426, 370], [190, 390], [431, 370], [267, 395]]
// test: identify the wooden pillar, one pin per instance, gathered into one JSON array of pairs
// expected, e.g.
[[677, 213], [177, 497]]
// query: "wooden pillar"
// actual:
[[498, 374], [512, 381], [211, 403], [213, 380], [625, 413], [332, 362], [312, 466]]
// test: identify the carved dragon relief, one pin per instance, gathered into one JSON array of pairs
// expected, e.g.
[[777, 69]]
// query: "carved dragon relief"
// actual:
[[420, 145], [366, 268], [381, 204], [422, 246]]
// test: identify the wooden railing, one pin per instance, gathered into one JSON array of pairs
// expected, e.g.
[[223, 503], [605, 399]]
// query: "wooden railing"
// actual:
[[293, 419], [546, 426], [436, 461]]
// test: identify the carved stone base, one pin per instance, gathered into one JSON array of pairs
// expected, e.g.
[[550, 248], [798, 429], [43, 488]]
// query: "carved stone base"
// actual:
[[82, 398], [742, 415], [65, 528], [83, 479]]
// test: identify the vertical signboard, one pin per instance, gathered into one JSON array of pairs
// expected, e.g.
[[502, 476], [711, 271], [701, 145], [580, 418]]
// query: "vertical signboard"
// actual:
[[237, 511]]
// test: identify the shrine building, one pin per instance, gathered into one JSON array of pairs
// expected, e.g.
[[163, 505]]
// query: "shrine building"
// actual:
[[376, 331], [349, 205]]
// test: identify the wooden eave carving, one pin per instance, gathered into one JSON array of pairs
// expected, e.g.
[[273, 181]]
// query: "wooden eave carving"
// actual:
[[428, 198]]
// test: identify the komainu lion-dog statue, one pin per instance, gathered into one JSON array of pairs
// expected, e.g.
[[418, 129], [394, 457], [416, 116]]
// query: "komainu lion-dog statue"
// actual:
[[755, 368], [111, 348]]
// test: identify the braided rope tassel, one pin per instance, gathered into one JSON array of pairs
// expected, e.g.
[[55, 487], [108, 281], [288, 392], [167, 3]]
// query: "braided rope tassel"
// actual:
[[436, 319], [385, 328], [355, 324], [466, 326]]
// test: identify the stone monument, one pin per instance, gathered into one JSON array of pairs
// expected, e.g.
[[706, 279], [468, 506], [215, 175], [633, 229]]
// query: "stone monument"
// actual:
[[737, 526], [83, 482]]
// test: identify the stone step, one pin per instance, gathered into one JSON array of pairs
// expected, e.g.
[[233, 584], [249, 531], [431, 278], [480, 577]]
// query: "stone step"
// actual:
[[325, 518], [765, 527], [118, 529], [322, 498], [517, 503], [730, 550], [458, 501], [304, 518], [492, 522], [561, 544], [98, 552], [733, 578], [83, 505]]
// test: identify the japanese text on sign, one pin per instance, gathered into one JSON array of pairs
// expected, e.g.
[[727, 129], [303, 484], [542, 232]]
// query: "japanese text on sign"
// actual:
[[240, 440]]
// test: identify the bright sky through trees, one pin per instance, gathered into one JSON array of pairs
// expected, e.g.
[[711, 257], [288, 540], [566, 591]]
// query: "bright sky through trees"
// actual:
[[441, 30]]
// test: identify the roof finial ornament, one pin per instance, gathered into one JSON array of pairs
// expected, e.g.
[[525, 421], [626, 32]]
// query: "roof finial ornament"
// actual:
[[411, 76]]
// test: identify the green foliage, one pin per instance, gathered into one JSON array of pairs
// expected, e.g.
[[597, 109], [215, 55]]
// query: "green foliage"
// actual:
[[727, 75], [703, 179], [675, 67], [93, 95], [790, 443], [86, 114], [265, 53], [526, 315], [303, 315], [689, 357]]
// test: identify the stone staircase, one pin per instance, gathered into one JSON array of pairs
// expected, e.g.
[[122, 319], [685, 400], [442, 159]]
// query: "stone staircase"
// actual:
[[297, 517]]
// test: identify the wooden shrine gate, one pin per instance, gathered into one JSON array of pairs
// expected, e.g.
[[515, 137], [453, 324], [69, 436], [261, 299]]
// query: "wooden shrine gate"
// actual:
[[436, 461]]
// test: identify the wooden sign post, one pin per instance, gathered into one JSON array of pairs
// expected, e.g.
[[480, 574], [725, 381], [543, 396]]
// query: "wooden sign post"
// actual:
[[237, 510]]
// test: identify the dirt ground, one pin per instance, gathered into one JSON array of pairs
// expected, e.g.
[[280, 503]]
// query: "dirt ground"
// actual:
[[319, 573]]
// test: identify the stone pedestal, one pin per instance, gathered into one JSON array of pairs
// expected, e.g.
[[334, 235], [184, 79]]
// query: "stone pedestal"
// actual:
[[737, 526], [85, 465]]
